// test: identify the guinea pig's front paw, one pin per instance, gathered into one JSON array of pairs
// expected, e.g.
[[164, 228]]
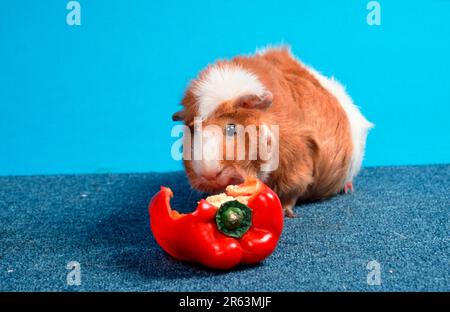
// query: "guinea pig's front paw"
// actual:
[[288, 207], [348, 188], [289, 212]]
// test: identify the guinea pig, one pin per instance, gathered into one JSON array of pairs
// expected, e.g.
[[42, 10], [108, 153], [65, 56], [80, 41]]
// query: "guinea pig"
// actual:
[[318, 132]]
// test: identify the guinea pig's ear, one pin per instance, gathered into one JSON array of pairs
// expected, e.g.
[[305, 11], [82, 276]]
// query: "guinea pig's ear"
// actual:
[[178, 116], [263, 101]]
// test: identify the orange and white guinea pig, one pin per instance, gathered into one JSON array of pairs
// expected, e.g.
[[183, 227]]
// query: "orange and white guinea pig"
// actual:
[[321, 132]]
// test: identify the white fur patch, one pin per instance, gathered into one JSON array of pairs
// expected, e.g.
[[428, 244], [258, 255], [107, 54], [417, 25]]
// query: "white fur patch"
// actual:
[[223, 83], [359, 125]]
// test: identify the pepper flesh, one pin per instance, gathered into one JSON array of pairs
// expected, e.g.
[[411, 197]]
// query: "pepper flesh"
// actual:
[[194, 237]]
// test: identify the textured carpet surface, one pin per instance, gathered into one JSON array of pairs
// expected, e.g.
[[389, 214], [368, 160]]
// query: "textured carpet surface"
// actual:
[[398, 216]]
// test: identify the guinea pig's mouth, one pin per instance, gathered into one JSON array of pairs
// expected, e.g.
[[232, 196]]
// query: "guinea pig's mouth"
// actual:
[[218, 184], [213, 187]]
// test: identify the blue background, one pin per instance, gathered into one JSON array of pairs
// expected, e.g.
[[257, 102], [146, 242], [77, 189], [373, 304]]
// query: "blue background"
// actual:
[[99, 97]]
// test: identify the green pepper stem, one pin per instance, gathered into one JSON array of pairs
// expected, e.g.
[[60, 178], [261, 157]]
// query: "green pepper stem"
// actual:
[[234, 219]]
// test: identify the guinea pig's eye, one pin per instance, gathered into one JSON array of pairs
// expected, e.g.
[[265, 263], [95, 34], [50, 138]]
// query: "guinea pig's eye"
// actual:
[[230, 130]]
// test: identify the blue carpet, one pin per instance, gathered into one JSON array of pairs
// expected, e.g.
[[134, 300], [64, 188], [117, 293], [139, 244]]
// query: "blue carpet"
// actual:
[[398, 216]]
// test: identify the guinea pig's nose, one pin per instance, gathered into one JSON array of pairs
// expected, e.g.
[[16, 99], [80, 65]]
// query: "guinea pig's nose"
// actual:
[[211, 175]]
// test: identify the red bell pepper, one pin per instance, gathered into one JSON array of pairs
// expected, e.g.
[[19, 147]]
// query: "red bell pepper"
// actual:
[[222, 237]]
